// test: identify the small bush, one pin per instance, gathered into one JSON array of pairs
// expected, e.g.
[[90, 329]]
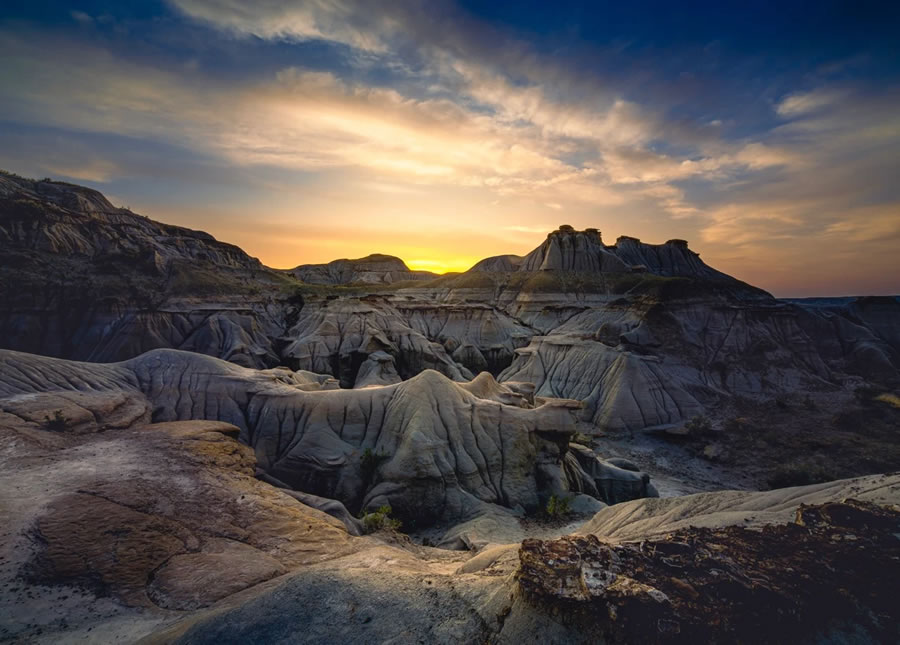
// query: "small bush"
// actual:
[[799, 474], [699, 426], [558, 507], [737, 425], [380, 520], [891, 399], [58, 423], [369, 462], [582, 439]]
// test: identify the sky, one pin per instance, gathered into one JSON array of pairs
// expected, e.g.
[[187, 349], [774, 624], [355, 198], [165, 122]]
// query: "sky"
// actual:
[[766, 134]]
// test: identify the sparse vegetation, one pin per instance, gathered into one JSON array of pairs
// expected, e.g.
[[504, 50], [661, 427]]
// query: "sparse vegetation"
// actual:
[[737, 425], [380, 520], [369, 462], [59, 422], [799, 474], [582, 439], [699, 426], [558, 507], [891, 399]]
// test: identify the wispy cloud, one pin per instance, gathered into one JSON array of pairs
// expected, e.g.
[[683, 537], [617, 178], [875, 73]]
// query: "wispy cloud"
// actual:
[[426, 114], [807, 102]]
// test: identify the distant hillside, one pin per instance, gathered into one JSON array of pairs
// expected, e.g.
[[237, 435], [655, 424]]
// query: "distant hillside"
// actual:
[[372, 269]]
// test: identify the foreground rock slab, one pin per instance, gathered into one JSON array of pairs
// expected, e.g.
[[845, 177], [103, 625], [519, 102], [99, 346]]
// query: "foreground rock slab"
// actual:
[[104, 534], [833, 571]]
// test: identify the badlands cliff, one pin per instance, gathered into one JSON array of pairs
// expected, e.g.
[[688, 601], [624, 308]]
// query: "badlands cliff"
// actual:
[[647, 335]]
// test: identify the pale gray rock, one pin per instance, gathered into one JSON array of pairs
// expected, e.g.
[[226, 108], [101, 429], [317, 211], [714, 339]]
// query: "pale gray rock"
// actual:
[[477, 336], [649, 518], [338, 336], [432, 449], [622, 390], [479, 601], [378, 369]]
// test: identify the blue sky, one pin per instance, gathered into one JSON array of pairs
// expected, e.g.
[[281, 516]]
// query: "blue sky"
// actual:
[[768, 134]]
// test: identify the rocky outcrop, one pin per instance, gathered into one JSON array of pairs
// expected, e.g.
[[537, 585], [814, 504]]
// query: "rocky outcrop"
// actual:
[[673, 258], [572, 251], [378, 369], [622, 390], [634, 521], [193, 549], [480, 337], [372, 269], [64, 219], [338, 336], [431, 449], [577, 251], [712, 585]]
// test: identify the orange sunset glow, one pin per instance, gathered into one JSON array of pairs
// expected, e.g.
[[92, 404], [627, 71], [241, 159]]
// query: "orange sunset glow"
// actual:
[[332, 134]]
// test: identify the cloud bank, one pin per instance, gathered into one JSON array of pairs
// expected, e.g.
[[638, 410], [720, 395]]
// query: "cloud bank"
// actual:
[[424, 125]]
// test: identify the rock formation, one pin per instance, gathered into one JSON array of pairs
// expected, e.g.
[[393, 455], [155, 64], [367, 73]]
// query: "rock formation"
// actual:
[[435, 451], [568, 250], [372, 269], [647, 336], [715, 585], [69, 220]]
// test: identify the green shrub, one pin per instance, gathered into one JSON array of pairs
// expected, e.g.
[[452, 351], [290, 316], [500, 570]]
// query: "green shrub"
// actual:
[[737, 425], [582, 439], [891, 399], [799, 474], [380, 520], [369, 462], [699, 426], [558, 507], [58, 423]]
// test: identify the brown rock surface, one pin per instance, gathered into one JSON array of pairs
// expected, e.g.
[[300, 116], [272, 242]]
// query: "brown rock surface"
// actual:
[[101, 526], [835, 569]]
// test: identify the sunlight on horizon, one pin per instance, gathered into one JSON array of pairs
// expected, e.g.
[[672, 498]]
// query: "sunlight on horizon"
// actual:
[[448, 264]]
